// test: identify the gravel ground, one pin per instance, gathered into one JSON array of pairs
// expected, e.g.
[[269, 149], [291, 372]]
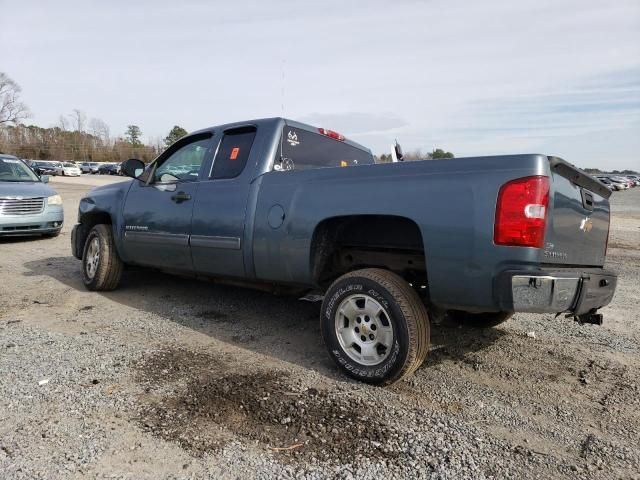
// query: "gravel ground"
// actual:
[[173, 378]]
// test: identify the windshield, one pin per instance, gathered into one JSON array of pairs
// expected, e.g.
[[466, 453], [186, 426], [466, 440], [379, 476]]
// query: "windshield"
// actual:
[[13, 170], [67, 164]]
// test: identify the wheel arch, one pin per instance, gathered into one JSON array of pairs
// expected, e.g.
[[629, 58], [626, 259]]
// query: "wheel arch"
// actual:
[[86, 221], [344, 243]]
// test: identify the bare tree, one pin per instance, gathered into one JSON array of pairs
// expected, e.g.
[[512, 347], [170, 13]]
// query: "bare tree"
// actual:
[[99, 129], [63, 123], [12, 110], [79, 119]]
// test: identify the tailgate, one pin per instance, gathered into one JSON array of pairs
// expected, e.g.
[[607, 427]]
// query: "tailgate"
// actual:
[[578, 222]]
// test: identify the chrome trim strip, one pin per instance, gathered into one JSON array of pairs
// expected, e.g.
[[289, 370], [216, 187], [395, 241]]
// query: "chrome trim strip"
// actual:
[[205, 241], [157, 238]]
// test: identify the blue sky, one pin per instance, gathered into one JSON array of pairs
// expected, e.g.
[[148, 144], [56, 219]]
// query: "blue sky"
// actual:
[[478, 78]]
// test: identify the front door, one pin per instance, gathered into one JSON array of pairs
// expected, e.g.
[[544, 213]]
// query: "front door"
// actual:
[[219, 213], [157, 211]]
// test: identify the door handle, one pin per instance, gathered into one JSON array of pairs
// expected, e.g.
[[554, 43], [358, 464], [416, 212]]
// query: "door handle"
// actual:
[[180, 197]]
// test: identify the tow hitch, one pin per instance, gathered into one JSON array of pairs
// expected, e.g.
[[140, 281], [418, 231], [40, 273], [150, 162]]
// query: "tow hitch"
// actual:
[[592, 318]]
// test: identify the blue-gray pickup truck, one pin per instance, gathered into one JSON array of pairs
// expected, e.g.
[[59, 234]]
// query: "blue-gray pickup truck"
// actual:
[[279, 204]]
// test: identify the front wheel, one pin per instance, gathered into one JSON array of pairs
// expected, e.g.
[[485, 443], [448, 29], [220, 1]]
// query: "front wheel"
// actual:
[[375, 326], [101, 265]]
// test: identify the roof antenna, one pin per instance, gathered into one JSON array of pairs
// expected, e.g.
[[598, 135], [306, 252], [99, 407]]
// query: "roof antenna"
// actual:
[[282, 89]]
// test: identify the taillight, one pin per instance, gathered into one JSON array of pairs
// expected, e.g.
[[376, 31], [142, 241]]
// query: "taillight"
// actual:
[[331, 134], [521, 212]]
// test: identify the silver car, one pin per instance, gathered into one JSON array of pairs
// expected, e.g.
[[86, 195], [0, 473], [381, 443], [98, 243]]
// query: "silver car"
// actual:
[[27, 205], [90, 167]]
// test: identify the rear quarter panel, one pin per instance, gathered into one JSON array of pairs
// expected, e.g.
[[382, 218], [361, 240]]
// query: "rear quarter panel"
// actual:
[[451, 201]]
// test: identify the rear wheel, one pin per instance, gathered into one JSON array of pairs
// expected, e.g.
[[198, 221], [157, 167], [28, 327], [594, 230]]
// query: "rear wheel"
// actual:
[[375, 326], [101, 265], [480, 320]]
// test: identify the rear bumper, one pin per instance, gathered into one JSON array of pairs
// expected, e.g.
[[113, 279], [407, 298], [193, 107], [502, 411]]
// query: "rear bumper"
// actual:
[[556, 291]]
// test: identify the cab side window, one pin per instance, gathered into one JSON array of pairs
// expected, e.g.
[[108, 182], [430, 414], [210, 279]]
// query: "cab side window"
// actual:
[[303, 150], [233, 153], [183, 164]]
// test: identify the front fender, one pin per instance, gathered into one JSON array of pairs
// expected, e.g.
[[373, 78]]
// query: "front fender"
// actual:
[[102, 205]]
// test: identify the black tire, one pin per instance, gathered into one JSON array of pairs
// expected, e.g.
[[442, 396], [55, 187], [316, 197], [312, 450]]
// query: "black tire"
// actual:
[[403, 310], [480, 320], [108, 268]]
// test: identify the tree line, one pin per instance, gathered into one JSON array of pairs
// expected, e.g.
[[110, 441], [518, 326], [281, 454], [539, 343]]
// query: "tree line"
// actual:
[[75, 137], [81, 143]]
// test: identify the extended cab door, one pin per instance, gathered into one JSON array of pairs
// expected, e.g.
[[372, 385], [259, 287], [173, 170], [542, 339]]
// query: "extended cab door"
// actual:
[[157, 211], [220, 209]]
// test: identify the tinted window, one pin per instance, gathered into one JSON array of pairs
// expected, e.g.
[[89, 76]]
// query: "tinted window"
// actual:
[[183, 164], [302, 150], [233, 153]]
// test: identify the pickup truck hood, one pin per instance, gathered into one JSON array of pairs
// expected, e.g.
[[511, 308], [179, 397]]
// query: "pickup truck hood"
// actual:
[[25, 189], [112, 187]]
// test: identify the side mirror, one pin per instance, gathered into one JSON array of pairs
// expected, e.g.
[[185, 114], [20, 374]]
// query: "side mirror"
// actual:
[[132, 168], [44, 178]]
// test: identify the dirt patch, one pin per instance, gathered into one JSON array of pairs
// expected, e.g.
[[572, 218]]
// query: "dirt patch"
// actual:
[[176, 364], [265, 407]]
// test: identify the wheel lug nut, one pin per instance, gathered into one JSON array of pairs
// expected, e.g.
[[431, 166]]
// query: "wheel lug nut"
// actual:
[[366, 318], [357, 330], [363, 338], [372, 336], [358, 320], [373, 326]]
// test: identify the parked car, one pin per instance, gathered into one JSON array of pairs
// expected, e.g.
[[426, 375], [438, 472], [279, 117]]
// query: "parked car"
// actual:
[[68, 169], [635, 179], [27, 205], [623, 180], [282, 205], [610, 185], [108, 169], [90, 167], [617, 185], [42, 167]]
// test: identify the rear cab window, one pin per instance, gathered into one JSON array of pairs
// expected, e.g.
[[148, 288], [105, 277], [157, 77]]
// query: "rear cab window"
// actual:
[[233, 153], [303, 150]]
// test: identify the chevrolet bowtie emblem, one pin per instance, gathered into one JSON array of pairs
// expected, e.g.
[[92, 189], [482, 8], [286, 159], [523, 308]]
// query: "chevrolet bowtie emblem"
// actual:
[[586, 224]]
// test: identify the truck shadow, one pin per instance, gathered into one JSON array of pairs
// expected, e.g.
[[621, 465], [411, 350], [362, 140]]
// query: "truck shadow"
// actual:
[[21, 239], [278, 326]]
